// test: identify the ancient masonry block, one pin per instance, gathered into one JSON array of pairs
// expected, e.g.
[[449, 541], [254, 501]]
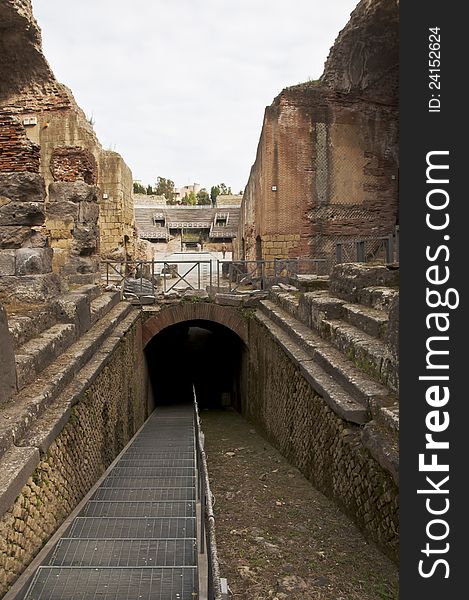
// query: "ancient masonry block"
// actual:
[[25, 256], [72, 222]]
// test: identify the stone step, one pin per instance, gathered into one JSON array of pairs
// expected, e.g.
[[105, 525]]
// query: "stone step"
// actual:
[[371, 321], [337, 398], [377, 297], [36, 354], [50, 423], [26, 406], [359, 385], [101, 305], [289, 301], [383, 445], [368, 353], [31, 321], [28, 325]]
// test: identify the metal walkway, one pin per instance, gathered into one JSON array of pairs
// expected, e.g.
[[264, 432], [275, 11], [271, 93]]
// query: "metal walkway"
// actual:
[[135, 539]]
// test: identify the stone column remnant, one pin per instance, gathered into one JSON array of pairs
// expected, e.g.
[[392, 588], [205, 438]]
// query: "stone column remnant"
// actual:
[[25, 256], [72, 224]]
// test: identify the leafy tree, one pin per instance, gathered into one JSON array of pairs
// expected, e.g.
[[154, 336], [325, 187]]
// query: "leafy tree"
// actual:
[[214, 192], [190, 198], [203, 197], [138, 188], [149, 190], [224, 189], [165, 187]]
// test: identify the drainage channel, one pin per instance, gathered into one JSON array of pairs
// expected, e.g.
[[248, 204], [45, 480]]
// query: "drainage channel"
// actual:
[[136, 537]]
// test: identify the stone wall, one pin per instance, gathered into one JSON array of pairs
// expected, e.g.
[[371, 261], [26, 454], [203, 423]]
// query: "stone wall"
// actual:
[[40, 115], [326, 449], [73, 163], [72, 228], [17, 152], [108, 413], [25, 254], [116, 214], [326, 167]]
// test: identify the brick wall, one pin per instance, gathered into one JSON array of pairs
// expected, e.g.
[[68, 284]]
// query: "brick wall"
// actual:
[[108, 414], [326, 449], [326, 167], [73, 163], [17, 152]]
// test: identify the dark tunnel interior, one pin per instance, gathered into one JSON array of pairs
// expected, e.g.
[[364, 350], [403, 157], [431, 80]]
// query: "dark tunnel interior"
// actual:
[[200, 353]]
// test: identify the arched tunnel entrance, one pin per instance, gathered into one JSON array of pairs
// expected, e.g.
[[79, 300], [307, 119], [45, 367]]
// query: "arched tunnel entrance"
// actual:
[[197, 352]]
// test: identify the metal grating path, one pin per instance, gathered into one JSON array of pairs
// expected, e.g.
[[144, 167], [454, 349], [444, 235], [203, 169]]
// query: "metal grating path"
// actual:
[[136, 536]]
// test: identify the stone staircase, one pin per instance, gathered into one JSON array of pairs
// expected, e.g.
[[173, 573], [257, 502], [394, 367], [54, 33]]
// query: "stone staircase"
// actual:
[[344, 340], [53, 346]]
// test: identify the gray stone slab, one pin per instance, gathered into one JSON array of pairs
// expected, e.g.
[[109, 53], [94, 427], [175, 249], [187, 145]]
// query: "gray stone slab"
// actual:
[[24, 187], [33, 261], [16, 467], [74, 308], [7, 361], [22, 213]]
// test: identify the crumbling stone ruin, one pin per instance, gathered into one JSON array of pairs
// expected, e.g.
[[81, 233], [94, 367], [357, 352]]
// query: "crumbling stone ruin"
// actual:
[[44, 131], [327, 162], [74, 379]]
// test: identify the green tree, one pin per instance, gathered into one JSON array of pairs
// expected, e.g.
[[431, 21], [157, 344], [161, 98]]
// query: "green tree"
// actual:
[[203, 197], [190, 198], [138, 188], [165, 187], [224, 189], [214, 192], [149, 190]]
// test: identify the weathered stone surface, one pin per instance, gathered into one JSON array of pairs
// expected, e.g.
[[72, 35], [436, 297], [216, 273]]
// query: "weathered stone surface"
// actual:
[[81, 265], [349, 280], [74, 308], [365, 55], [30, 288], [77, 191], [7, 262], [200, 294], [33, 261], [7, 362], [85, 239], [88, 212], [328, 450], [392, 333], [16, 467], [15, 236], [63, 211], [22, 213], [229, 299], [22, 187]]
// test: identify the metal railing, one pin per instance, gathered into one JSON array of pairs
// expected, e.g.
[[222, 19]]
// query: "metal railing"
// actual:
[[382, 250], [143, 280], [216, 586], [148, 278]]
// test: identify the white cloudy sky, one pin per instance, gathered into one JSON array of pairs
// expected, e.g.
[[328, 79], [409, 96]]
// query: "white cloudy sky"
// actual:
[[179, 87]]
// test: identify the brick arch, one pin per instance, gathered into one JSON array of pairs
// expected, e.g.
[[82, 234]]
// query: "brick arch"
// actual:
[[200, 311]]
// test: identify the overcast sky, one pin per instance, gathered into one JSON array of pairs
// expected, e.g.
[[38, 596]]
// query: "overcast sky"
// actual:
[[179, 87]]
